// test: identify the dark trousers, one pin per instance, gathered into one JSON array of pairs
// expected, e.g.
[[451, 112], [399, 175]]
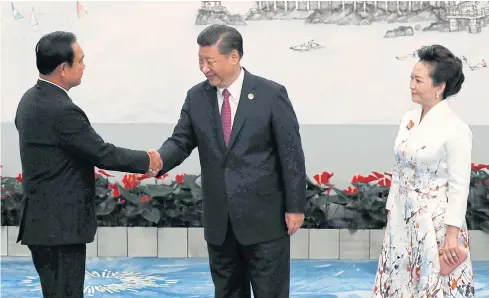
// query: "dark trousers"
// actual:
[[265, 265], [61, 269]]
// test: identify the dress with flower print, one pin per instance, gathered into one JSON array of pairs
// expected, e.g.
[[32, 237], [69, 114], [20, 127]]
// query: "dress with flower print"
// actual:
[[430, 185]]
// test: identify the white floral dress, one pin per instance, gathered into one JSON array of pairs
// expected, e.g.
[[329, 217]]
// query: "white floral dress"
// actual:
[[430, 185]]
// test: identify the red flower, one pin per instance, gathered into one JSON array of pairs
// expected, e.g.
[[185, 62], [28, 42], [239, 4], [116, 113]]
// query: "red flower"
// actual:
[[378, 175], [19, 178], [145, 199], [130, 181], [323, 178], [105, 173], [385, 182], [115, 190], [142, 177], [361, 179], [179, 178], [351, 191], [478, 167], [162, 176]]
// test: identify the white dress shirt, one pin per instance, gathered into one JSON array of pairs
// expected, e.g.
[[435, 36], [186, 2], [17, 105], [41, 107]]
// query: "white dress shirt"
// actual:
[[234, 94]]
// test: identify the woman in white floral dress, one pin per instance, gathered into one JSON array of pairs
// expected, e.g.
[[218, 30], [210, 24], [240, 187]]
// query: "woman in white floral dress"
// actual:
[[427, 201]]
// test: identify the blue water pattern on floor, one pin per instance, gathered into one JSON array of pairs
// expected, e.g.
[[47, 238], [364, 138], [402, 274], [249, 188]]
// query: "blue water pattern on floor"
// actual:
[[165, 278]]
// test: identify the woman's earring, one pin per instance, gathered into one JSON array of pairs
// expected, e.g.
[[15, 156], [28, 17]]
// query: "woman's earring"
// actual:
[[437, 95]]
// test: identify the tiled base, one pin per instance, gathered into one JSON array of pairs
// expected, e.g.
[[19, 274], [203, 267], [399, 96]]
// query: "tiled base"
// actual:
[[189, 242], [4, 241]]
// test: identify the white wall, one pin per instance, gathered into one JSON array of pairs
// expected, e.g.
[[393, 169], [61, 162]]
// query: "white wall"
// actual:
[[142, 58]]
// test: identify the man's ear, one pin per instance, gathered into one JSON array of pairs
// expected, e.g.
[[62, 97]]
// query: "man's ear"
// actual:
[[62, 69], [235, 57]]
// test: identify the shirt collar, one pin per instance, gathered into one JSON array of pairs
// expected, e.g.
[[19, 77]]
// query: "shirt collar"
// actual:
[[54, 85], [434, 114], [235, 88]]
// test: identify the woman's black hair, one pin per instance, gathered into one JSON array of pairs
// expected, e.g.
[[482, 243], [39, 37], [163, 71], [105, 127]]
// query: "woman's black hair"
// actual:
[[446, 67]]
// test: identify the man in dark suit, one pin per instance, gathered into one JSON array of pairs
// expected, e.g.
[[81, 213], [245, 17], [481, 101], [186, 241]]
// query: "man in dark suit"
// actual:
[[253, 169], [58, 151]]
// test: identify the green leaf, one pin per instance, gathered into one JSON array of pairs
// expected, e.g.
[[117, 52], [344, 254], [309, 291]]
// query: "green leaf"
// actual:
[[343, 195], [189, 181], [157, 190], [131, 210], [101, 180], [130, 197], [102, 192], [172, 213], [106, 207], [153, 215], [9, 182]]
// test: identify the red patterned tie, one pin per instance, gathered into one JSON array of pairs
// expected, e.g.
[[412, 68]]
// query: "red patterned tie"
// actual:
[[226, 116]]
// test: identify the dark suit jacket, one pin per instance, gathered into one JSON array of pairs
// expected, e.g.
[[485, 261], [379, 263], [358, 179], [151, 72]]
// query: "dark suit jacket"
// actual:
[[58, 151], [259, 176]]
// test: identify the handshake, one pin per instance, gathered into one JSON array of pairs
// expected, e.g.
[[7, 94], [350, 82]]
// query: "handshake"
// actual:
[[155, 162]]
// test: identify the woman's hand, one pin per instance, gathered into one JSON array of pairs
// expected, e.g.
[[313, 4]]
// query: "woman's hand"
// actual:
[[450, 246]]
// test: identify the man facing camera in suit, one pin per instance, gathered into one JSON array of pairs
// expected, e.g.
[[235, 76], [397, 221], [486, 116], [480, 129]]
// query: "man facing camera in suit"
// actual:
[[253, 170], [58, 151]]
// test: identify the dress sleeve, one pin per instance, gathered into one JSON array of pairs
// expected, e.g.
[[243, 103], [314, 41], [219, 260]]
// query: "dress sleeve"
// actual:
[[458, 150]]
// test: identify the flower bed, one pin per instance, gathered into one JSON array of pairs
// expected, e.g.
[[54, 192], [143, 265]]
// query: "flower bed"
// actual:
[[178, 203]]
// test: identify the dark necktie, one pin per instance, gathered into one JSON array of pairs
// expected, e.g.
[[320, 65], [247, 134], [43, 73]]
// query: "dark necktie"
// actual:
[[226, 116]]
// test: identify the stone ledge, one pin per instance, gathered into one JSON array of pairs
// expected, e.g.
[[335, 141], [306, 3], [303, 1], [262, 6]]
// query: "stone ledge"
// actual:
[[189, 242]]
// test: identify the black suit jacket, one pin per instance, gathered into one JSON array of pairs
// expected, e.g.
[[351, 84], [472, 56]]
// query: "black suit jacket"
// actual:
[[58, 151], [259, 176]]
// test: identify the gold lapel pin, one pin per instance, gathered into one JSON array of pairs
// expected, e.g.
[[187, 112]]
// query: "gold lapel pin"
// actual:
[[251, 96]]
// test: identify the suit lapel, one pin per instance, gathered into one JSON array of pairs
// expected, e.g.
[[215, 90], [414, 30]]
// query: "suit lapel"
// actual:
[[245, 103], [215, 117]]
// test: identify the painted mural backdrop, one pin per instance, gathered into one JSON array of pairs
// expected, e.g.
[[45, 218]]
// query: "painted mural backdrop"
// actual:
[[343, 62]]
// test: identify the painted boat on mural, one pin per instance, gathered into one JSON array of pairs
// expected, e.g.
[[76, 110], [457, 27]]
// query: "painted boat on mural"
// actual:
[[307, 46]]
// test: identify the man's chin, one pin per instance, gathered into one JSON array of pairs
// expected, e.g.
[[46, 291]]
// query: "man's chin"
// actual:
[[213, 83]]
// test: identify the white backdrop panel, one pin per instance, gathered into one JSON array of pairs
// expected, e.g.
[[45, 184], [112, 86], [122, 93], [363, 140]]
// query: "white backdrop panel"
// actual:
[[142, 58]]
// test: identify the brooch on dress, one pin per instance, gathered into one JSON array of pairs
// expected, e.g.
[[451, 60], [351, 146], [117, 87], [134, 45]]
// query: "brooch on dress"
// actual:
[[410, 125]]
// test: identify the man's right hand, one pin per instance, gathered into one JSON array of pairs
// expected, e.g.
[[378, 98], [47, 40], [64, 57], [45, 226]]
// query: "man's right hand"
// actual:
[[294, 222], [155, 162]]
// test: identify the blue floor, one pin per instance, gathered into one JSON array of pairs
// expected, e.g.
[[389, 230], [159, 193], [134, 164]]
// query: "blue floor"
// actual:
[[164, 278]]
